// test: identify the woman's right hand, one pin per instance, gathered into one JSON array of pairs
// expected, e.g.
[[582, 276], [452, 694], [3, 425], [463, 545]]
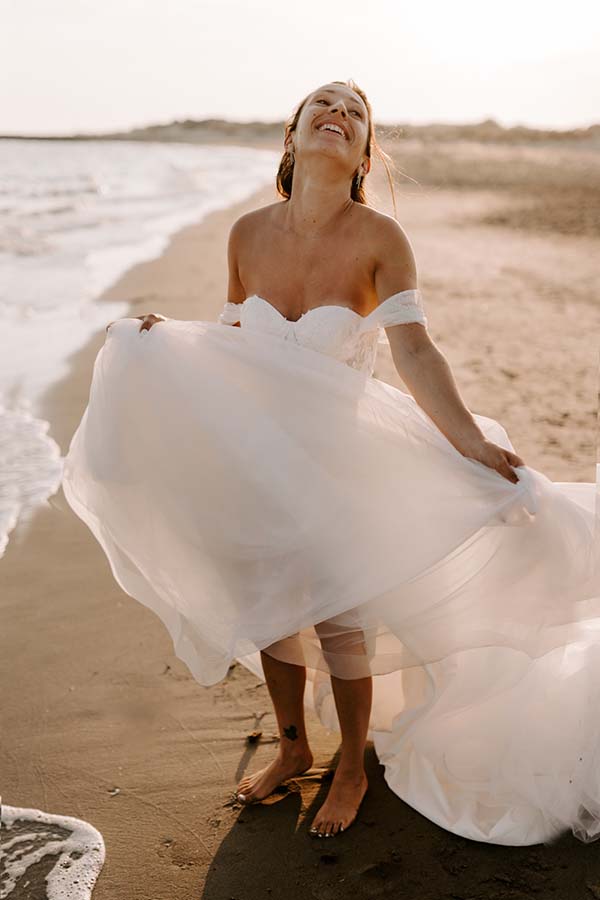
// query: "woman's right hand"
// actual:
[[148, 321]]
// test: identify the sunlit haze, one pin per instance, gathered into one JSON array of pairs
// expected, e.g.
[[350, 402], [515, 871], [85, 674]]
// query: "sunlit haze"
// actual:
[[80, 65]]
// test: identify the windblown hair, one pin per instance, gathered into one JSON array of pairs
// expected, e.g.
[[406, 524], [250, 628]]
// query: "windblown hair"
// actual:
[[285, 173]]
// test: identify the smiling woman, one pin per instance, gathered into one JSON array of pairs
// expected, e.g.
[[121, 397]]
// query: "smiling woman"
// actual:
[[273, 502], [363, 133]]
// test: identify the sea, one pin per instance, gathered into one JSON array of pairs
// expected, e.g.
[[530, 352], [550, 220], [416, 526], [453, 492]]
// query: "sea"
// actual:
[[75, 215]]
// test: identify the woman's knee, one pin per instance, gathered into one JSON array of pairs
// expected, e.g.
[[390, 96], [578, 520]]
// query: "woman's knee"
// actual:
[[346, 641]]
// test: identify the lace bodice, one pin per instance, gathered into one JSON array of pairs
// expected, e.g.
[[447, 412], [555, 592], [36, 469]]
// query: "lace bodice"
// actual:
[[332, 329]]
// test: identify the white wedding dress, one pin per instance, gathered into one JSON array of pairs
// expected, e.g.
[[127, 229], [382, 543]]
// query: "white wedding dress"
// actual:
[[257, 487]]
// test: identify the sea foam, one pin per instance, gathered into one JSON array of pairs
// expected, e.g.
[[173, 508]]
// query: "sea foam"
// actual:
[[75, 215]]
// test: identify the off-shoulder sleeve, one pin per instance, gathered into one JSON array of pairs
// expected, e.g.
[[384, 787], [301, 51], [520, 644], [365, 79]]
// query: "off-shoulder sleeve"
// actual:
[[400, 309], [230, 313]]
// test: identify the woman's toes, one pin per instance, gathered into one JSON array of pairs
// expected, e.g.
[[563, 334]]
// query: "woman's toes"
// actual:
[[326, 829]]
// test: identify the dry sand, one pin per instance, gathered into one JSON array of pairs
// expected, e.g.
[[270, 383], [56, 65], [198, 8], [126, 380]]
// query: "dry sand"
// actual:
[[93, 698]]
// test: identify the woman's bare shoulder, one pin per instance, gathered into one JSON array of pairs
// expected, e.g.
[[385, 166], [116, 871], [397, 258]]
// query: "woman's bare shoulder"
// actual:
[[246, 237], [383, 227], [250, 222], [387, 240]]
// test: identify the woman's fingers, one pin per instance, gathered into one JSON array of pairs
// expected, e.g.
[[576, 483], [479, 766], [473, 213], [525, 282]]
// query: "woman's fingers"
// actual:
[[149, 320], [506, 470], [513, 459], [496, 457], [506, 466]]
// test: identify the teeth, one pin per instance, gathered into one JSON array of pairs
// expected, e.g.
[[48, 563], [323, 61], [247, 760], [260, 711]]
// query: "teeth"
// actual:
[[330, 127]]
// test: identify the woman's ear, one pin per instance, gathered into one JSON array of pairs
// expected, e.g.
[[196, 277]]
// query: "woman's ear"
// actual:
[[366, 167]]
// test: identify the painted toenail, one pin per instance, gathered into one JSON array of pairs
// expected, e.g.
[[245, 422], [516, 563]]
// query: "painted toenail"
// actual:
[[241, 797]]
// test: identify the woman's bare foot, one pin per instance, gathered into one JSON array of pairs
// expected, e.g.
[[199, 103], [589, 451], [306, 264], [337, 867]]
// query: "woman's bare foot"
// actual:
[[262, 783], [341, 806]]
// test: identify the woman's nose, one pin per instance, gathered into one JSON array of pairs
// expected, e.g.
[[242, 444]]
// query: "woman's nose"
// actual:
[[341, 108]]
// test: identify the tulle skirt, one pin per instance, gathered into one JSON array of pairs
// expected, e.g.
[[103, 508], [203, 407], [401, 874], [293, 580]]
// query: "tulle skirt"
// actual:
[[260, 495]]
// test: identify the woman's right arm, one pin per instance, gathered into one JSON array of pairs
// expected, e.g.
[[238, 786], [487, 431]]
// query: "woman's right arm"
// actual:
[[235, 288]]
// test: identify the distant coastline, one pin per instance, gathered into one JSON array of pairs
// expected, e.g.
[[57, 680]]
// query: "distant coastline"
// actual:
[[213, 131]]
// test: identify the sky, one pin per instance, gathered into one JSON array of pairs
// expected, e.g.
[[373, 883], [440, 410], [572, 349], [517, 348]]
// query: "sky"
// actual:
[[100, 65]]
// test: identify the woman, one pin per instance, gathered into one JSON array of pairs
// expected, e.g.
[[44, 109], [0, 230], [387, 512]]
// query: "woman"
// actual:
[[317, 524]]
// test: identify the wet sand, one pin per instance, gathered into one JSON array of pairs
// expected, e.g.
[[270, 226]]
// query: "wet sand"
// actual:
[[93, 698]]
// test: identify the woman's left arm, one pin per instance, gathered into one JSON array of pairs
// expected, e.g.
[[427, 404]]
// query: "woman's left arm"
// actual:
[[424, 368]]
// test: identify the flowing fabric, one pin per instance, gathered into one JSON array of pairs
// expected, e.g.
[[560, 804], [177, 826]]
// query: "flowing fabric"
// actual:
[[259, 489]]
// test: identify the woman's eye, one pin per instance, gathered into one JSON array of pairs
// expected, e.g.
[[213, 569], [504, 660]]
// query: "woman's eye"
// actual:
[[356, 112]]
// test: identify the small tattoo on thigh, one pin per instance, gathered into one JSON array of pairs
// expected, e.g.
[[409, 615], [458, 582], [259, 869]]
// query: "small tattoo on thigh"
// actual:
[[291, 732]]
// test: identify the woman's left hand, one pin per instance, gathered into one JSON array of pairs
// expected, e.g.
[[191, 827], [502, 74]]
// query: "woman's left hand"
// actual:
[[495, 457]]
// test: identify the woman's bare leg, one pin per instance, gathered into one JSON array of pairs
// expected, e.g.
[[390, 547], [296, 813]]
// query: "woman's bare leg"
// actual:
[[286, 683], [353, 701]]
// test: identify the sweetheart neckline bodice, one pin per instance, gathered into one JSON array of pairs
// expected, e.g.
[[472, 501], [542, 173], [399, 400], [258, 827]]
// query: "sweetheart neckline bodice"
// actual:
[[351, 339], [353, 312], [306, 312]]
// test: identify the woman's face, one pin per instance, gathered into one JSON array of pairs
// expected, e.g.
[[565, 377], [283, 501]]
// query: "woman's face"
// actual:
[[333, 105]]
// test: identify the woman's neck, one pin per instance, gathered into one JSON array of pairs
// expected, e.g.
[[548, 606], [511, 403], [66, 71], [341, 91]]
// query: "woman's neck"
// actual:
[[315, 206]]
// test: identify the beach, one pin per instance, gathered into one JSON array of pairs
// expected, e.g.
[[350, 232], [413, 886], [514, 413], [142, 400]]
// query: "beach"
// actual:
[[102, 722]]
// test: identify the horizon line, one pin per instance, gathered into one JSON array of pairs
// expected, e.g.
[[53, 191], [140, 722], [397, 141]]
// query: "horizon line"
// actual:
[[488, 122]]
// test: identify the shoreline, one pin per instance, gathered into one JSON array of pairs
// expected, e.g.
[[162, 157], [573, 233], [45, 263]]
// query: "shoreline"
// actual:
[[60, 297], [153, 285]]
